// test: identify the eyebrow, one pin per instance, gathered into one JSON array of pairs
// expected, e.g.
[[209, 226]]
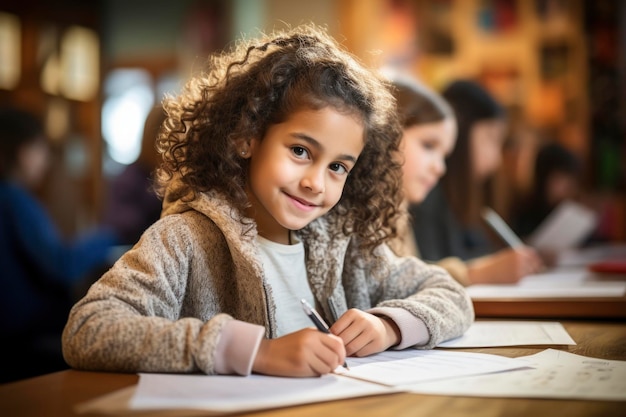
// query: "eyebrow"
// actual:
[[311, 141]]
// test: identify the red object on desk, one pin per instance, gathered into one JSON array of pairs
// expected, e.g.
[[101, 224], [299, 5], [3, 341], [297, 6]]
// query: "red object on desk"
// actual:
[[611, 267]]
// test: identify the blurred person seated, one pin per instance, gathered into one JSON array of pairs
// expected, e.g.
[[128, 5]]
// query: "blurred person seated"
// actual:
[[428, 137], [39, 267], [556, 178], [132, 205], [448, 222]]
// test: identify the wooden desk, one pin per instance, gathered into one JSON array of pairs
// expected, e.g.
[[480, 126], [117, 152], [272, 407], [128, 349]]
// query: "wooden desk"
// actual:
[[553, 308], [605, 308], [56, 394]]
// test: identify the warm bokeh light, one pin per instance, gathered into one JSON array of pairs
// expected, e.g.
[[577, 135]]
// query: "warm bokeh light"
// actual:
[[10, 51], [80, 63]]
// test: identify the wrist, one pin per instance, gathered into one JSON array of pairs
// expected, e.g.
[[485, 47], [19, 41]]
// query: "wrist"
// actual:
[[259, 362], [392, 331]]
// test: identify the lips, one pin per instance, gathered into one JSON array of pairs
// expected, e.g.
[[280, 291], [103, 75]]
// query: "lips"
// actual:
[[302, 202], [429, 183]]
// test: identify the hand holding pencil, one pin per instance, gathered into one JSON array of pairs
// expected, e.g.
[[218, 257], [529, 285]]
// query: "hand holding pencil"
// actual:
[[317, 320], [304, 353], [507, 265]]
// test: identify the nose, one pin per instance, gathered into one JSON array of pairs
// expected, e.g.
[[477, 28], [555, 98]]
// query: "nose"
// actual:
[[314, 179], [439, 167]]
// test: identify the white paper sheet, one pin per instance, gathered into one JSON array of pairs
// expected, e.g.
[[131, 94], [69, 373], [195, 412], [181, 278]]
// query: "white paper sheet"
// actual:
[[236, 393], [395, 368], [556, 283], [511, 333], [566, 227], [581, 257], [487, 292], [555, 374], [383, 370]]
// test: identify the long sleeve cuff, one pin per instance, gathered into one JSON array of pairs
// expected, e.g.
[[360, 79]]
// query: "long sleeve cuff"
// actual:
[[413, 331], [237, 347]]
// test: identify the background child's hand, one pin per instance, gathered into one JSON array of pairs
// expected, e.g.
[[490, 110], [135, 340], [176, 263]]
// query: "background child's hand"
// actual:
[[506, 266], [364, 334], [307, 352]]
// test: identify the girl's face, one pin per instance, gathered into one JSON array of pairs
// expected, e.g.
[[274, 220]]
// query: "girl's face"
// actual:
[[486, 141], [299, 169], [424, 150], [560, 186]]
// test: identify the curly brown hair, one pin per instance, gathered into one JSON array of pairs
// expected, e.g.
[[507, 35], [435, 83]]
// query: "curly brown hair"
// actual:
[[262, 82]]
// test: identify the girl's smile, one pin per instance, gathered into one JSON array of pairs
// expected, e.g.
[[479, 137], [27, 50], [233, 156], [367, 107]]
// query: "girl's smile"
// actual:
[[302, 204], [299, 168]]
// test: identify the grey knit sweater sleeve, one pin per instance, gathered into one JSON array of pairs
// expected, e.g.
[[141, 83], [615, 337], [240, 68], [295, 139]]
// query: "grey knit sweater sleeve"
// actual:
[[426, 291], [132, 319]]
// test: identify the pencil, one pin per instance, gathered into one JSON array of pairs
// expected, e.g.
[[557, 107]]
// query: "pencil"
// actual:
[[501, 228], [317, 320]]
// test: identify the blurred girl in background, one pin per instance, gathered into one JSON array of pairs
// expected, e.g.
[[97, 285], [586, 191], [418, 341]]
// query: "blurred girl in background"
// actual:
[[447, 224]]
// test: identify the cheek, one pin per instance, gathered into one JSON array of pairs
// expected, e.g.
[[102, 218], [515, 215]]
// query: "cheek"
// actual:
[[333, 192], [268, 165], [485, 160], [415, 160], [495, 157]]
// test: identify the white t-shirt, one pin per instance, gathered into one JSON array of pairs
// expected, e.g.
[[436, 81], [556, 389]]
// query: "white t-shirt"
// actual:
[[285, 271]]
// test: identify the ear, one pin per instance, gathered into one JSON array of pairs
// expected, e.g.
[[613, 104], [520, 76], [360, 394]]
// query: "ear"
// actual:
[[245, 148]]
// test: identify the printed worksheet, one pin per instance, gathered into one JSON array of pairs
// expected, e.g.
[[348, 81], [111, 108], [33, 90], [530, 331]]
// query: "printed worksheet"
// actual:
[[399, 367], [554, 374]]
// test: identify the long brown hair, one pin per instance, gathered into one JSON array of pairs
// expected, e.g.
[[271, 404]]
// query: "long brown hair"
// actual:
[[471, 104], [417, 104]]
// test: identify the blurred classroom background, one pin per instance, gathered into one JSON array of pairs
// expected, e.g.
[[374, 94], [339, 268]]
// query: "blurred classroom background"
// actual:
[[92, 70]]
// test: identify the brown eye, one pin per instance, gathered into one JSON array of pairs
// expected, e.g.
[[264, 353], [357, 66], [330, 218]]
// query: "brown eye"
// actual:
[[300, 152], [338, 168]]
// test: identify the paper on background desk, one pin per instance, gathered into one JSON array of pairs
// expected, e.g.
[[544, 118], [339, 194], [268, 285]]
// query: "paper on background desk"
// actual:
[[511, 333], [581, 257], [557, 283], [555, 374], [565, 227]]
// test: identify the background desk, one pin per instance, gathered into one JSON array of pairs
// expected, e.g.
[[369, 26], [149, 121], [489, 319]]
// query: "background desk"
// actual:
[[609, 308], [56, 394], [579, 260]]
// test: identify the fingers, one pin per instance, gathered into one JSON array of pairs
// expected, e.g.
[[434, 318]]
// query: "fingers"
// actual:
[[362, 333], [321, 353], [531, 261], [307, 352], [525, 261], [330, 357], [357, 341], [350, 332]]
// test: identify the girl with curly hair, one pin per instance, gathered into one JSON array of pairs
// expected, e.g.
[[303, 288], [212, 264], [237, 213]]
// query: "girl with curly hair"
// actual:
[[279, 184]]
